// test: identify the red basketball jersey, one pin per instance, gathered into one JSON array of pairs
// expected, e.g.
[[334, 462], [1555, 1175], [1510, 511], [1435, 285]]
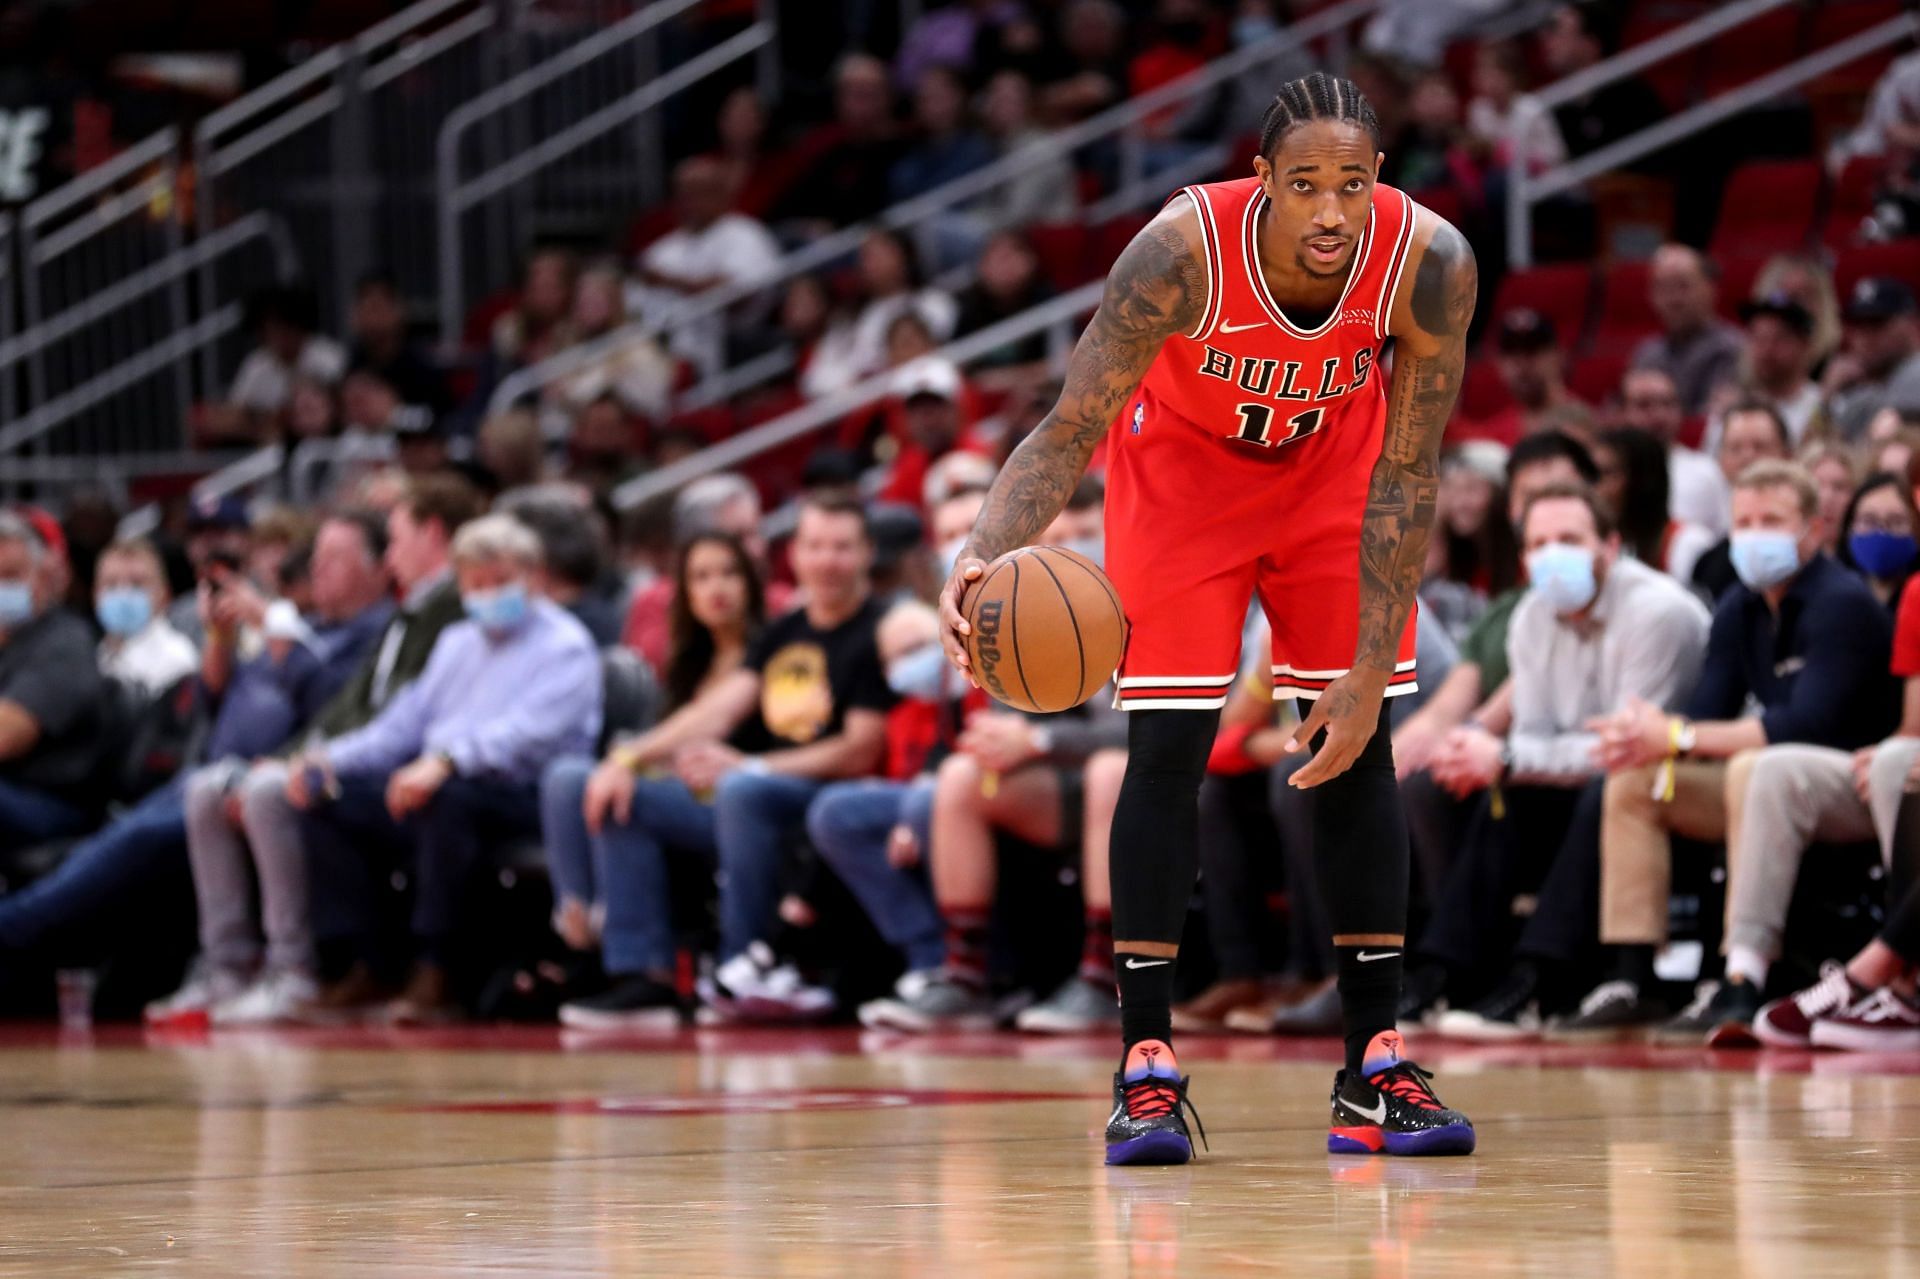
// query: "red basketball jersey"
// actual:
[[1252, 379]]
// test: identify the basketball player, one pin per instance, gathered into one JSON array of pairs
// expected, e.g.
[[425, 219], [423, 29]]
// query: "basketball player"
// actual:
[[1259, 448]]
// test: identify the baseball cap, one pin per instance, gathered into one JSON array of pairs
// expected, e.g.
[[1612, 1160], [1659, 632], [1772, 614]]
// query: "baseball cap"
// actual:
[[217, 513], [1524, 330], [1878, 297], [929, 377], [1781, 307]]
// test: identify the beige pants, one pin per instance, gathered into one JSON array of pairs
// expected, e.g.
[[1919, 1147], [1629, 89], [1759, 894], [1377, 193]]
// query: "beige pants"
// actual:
[[1636, 838]]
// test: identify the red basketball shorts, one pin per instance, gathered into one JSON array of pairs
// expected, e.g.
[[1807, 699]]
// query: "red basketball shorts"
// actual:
[[1195, 532]]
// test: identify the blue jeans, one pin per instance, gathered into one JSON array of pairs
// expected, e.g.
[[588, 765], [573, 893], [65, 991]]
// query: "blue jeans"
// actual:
[[30, 816], [747, 826], [122, 859], [850, 823]]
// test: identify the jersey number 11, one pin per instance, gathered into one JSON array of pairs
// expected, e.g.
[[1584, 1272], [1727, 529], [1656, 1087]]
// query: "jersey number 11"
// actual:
[[1256, 425]]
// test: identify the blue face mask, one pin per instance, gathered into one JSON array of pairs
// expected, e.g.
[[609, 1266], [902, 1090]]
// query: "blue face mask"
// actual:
[[1563, 575], [949, 553], [16, 604], [1764, 558], [1883, 555], [1252, 30], [1094, 548], [498, 611], [920, 674], [123, 610]]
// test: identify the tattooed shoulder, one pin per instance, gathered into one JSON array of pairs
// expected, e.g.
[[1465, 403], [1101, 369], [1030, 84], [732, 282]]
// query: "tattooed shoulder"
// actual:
[[1445, 284], [1158, 285]]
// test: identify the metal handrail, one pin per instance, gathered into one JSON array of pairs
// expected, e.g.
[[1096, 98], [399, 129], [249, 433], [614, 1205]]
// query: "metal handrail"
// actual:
[[827, 409], [1526, 189], [457, 194], [1115, 120]]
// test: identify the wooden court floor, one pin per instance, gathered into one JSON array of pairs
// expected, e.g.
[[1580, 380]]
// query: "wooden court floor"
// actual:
[[509, 1152]]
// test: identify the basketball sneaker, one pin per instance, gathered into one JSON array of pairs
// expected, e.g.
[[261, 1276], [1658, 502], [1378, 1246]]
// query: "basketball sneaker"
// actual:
[[1389, 1106], [206, 986], [1880, 1022], [1149, 1120], [756, 985], [1789, 1022]]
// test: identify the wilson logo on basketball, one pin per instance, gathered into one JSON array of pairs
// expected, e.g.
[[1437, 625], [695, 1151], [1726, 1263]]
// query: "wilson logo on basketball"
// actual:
[[986, 650]]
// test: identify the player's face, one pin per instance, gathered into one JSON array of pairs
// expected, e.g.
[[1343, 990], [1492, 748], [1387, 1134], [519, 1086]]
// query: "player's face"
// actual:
[[1320, 182]]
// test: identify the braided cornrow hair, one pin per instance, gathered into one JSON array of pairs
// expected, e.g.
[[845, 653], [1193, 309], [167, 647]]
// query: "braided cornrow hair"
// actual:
[[1316, 97]]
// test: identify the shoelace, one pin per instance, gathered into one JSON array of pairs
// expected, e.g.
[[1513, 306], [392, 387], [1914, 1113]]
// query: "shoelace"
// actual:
[[1155, 1096], [1408, 1082], [1832, 991], [1703, 996]]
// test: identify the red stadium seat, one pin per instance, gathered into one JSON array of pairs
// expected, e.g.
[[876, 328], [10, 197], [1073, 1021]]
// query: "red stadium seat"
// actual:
[[1901, 260], [1596, 378], [1767, 207], [1750, 50], [1062, 249], [1626, 316], [1672, 77], [1737, 273], [1109, 238], [1482, 393], [1562, 292]]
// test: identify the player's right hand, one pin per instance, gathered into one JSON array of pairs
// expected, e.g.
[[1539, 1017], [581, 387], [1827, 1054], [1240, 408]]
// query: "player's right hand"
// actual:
[[953, 627]]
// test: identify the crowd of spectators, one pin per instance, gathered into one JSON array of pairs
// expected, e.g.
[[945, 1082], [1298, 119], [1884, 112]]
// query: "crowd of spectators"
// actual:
[[1664, 634]]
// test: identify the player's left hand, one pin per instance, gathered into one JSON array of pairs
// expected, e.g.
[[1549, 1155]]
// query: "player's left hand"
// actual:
[[1349, 711]]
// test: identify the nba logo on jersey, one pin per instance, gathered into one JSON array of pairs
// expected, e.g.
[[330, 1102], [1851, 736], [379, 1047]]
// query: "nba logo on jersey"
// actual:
[[1139, 415]]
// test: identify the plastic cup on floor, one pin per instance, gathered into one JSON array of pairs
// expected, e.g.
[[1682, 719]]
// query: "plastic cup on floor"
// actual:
[[75, 987]]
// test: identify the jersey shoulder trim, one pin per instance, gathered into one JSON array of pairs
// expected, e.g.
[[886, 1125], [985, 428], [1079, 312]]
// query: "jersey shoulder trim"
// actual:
[[1390, 285], [1210, 241]]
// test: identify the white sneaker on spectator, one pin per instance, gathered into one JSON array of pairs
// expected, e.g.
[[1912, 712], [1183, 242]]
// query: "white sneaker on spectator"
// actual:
[[204, 987], [924, 1002], [1078, 1006], [755, 986], [1881, 1022], [274, 998]]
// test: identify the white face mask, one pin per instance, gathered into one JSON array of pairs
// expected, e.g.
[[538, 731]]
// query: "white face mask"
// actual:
[[949, 555]]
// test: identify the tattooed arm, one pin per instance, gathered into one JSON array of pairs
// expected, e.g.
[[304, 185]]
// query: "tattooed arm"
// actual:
[[1157, 288], [1428, 322]]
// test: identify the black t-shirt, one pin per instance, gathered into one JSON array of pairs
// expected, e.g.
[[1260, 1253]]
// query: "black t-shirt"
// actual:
[[810, 678], [49, 670]]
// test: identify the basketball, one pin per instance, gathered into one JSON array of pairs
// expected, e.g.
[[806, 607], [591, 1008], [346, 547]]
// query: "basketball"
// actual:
[[1047, 628]]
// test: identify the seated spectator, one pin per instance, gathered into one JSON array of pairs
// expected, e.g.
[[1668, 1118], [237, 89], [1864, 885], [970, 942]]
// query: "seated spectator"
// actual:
[[891, 283], [255, 702], [1800, 794], [1890, 126], [718, 611], [637, 373], [1752, 432], [243, 831], [1879, 364], [1697, 349], [1807, 280], [1779, 362], [952, 38], [1475, 544], [1805, 641], [1836, 473], [946, 146], [1089, 71], [1895, 454], [1576, 37], [711, 247], [1595, 630], [51, 708], [450, 765], [1650, 401], [1633, 486], [1533, 370], [1877, 536], [723, 503], [1045, 189], [847, 161], [603, 446], [1008, 284], [820, 333], [313, 410], [274, 534], [140, 648], [1499, 114], [286, 320], [746, 757], [539, 323], [931, 395], [573, 555], [512, 450], [378, 325]]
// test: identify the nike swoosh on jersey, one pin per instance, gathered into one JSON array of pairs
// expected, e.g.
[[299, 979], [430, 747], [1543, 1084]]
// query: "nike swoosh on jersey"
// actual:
[[1241, 328], [1151, 963]]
